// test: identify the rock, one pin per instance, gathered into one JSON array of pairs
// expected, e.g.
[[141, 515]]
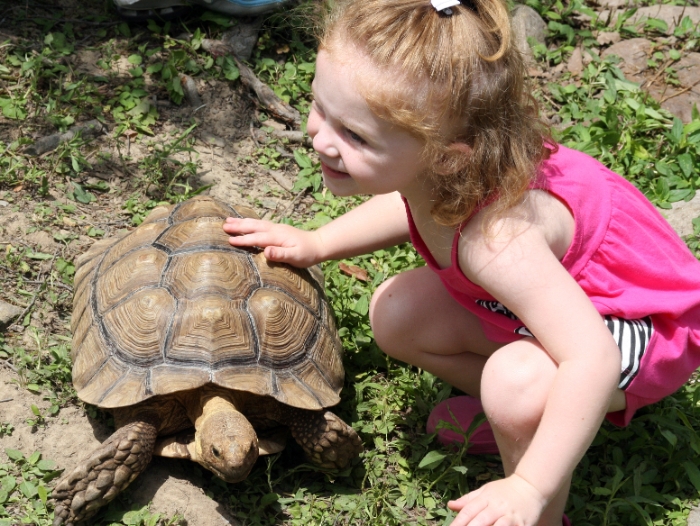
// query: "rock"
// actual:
[[608, 37], [671, 14], [243, 37], [694, 517], [527, 23], [681, 218], [634, 54], [611, 4], [8, 313], [575, 64], [680, 100]]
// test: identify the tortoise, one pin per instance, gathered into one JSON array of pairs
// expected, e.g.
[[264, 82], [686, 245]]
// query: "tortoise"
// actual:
[[174, 328]]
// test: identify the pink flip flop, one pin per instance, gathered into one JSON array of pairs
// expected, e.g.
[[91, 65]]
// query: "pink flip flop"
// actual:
[[464, 409], [566, 521]]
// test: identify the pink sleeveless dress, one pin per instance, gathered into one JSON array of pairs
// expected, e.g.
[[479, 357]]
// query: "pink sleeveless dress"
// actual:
[[627, 259]]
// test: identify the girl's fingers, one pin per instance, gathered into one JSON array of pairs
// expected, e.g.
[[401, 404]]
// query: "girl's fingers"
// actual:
[[471, 515], [234, 225], [458, 504]]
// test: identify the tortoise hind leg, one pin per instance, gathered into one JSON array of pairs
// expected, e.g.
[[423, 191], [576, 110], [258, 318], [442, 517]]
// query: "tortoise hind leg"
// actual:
[[326, 439], [107, 471]]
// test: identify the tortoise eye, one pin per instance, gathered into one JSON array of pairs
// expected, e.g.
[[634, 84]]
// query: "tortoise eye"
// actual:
[[215, 452]]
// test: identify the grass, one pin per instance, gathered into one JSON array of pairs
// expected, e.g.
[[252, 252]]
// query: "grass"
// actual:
[[645, 474]]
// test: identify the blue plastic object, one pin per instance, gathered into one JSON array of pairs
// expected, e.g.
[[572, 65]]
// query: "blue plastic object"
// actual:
[[141, 8]]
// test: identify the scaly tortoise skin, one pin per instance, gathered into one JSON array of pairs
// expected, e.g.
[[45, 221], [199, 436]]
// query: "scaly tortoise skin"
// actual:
[[173, 328]]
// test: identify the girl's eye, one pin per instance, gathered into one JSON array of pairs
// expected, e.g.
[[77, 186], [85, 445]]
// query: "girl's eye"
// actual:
[[353, 136]]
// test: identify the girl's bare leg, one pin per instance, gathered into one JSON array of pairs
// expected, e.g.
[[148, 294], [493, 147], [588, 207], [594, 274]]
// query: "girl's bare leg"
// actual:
[[515, 385], [416, 321]]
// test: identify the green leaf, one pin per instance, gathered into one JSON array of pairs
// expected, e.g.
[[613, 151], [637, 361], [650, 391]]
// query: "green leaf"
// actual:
[[217, 18], [34, 458], [268, 499], [38, 255], [693, 474], [14, 454], [685, 161], [28, 489], [432, 460], [46, 465], [670, 436], [43, 493], [362, 305], [135, 59]]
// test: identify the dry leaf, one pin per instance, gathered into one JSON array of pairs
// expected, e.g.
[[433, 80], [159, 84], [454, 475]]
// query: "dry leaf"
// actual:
[[352, 270]]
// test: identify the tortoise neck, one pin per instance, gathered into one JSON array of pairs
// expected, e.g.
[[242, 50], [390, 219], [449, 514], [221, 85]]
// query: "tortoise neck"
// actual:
[[208, 401]]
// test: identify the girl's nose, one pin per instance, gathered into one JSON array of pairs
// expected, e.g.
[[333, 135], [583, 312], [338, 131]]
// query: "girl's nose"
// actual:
[[323, 142], [321, 135]]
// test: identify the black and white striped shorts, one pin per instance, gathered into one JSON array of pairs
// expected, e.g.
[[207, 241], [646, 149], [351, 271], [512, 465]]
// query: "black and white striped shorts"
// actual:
[[632, 337]]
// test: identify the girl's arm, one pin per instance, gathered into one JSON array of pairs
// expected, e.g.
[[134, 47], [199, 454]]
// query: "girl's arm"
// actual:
[[377, 223], [518, 267]]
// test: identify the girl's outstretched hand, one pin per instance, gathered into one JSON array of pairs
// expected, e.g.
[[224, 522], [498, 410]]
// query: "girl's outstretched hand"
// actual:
[[282, 243], [508, 502]]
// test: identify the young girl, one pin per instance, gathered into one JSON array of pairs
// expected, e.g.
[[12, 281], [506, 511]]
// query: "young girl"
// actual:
[[553, 291]]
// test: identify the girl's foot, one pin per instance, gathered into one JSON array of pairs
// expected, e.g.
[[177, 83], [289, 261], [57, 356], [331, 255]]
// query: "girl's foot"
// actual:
[[461, 411]]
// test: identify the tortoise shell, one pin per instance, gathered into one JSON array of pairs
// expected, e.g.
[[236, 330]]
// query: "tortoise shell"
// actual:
[[172, 306]]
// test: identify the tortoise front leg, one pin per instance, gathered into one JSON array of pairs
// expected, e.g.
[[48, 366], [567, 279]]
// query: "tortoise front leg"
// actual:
[[107, 471], [327, 441]]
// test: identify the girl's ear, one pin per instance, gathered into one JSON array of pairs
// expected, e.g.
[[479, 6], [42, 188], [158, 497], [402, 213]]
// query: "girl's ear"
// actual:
[[456, 156]]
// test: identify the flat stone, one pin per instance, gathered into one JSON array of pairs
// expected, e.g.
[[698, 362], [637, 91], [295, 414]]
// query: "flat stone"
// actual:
[[688, 70], [611, 4], [575, 64], [634, 53], [694, 517], [527, 23], [680, 105], [680, 217], [680, 100], [8, 313], [605, 38]]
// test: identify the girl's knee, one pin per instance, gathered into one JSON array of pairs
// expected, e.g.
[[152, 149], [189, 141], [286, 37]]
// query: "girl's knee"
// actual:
[[515, 384], [389, 315]]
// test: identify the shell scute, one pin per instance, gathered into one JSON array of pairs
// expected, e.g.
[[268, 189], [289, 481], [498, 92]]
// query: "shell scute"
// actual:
[[227, 273], [106, 377], [130, 388], [143, 236], [201, 207], [195, 233], [88, 354], [138, 326], [294, 392], [273, 315], [293, 281], [211, 330], [139, 269], [168, 378]]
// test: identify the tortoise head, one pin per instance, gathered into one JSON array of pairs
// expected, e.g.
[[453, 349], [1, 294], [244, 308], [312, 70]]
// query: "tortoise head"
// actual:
[[226, 444]]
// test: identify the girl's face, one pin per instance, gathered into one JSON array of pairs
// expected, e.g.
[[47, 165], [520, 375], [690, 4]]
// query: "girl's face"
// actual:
[[360, 153]]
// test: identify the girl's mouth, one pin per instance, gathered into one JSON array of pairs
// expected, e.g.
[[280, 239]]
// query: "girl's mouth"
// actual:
[[333, 174]]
